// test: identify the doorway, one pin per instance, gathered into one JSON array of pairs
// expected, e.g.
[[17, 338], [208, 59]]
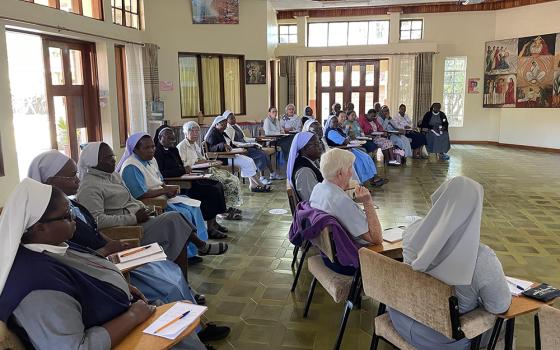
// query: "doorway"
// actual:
[[53, 82], [358, 82]]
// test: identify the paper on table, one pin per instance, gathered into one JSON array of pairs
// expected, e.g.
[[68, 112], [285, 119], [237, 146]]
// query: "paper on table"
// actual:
[[154, 253], [393, 235], [184, 200], [173, 330], [237, 150], [204, 165], [514, 283], [195, 176]]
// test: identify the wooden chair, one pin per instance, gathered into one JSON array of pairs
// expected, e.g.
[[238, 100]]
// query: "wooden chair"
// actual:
[[419, 296], [293, 202], [130, 234], [548, 332], [8, 339], [159, 201], [340, 287]]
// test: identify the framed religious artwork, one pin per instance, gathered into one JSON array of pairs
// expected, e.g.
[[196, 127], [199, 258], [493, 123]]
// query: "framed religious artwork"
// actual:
[[255, 72], [215, 11]]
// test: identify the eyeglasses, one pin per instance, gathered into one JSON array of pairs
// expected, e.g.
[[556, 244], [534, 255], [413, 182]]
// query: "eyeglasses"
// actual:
[[69, 216]]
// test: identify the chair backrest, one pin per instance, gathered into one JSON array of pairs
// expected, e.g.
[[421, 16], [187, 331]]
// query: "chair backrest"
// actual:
[[549, 319], [325, 243], [292, 198], [415, 294]]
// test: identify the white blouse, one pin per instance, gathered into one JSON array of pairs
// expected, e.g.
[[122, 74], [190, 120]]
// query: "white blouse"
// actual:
[[190, 152]]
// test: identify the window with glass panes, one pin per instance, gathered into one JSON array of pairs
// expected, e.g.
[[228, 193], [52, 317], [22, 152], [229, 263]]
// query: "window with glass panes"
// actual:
[[348, 33], [211, 83], [455, 72], [287, 34], [88, 8], [411, 29], [126, 13]]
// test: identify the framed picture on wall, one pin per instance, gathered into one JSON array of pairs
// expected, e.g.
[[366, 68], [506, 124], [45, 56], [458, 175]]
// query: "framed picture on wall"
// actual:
[[215, 11], [255, 72]]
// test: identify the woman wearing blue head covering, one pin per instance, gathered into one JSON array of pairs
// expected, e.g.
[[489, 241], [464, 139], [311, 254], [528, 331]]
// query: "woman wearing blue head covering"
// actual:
[[363, 165], [302, 170], [140, 173]]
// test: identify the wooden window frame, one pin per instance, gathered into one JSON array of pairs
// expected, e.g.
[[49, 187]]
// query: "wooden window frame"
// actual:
[[411, 20], [288, 35], [122, 93], [348, 32], [222, 88], [124, 12], [97, 7]]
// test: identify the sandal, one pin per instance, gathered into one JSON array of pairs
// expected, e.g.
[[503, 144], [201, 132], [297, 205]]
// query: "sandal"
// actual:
[[235, 210], [232, 216], [260, 189], [215, 234], [214, 249], [200, 299], [221, 228]]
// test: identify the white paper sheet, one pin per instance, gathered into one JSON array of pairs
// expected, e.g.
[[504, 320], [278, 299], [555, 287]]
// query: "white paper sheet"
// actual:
[[196, 176], [517, 286], [393, 235], [172, 331], [184, 200]]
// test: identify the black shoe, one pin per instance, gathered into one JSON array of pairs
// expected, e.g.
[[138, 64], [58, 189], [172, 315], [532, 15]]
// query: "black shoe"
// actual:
[[212, 332], [209, 347], [193, 260]]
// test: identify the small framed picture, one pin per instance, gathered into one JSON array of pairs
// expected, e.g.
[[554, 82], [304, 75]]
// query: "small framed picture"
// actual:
[[255, 72]]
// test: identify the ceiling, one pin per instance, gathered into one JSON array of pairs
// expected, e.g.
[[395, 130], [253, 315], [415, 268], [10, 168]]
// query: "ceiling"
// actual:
[[310, 4]]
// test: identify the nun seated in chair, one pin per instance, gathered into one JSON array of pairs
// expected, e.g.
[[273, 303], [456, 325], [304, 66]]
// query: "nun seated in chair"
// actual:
[[105, 196], [140, 173], [302, 169], [217, 141], [446, 245], [363, 164], [55, 297], [209, 192], [330, 196]]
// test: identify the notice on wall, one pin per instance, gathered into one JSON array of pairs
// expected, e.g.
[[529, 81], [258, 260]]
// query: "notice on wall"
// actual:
[[165, 85]]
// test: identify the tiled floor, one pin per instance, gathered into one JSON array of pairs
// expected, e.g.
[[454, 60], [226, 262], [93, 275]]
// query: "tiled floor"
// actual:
[[249, 287]]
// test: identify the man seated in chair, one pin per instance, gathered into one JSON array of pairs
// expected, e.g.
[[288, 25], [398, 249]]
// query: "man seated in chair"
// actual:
[[446, 245], [330, 196]]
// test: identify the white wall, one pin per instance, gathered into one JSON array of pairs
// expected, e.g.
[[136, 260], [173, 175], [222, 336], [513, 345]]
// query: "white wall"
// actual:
[[534, 127], [171, 28]]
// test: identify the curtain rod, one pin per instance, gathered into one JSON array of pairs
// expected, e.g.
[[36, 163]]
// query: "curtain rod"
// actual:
[[363, 55], [60, 28]]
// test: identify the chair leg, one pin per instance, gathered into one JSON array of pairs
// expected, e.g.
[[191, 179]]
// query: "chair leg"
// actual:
[[495, 334], [374, 342], [475, 343], [309, 297], [347, 310], [537, 333], [296, 251], [300, 266]]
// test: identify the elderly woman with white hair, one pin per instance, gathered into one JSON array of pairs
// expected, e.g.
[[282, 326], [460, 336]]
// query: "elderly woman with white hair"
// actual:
[[217, 141], [446, 245], [290, 120], [337, 167], [191, 154]]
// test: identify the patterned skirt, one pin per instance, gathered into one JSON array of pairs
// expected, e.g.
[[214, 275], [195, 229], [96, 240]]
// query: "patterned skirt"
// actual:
[[383, 143], [232, 186]]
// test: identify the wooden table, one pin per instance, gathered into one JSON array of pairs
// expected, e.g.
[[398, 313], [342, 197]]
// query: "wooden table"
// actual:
[[185, 181], [520, 305], [137, 340], [391, 250], [228, 155]]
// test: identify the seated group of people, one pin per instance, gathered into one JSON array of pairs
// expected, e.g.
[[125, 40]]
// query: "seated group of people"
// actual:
[[57, 289], [445, 243]]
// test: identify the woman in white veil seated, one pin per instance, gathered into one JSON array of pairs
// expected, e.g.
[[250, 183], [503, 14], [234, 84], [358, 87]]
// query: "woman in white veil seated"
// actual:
[[446, 245]]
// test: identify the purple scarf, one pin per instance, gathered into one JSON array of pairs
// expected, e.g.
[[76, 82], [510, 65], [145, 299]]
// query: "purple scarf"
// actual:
[[346, 248], [130, 145]]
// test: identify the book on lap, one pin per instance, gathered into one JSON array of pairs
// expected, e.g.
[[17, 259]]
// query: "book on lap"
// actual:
[[134, 257]]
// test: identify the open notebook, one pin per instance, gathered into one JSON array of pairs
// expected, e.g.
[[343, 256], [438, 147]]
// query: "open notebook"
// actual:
[[175, 320], [134, 257], [517, 286]]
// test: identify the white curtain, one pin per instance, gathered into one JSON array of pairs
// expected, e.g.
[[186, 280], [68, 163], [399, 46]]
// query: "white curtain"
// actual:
[[136, 93]]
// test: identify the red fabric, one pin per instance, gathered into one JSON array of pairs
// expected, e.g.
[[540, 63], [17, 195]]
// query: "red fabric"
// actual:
[[365, 125]]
